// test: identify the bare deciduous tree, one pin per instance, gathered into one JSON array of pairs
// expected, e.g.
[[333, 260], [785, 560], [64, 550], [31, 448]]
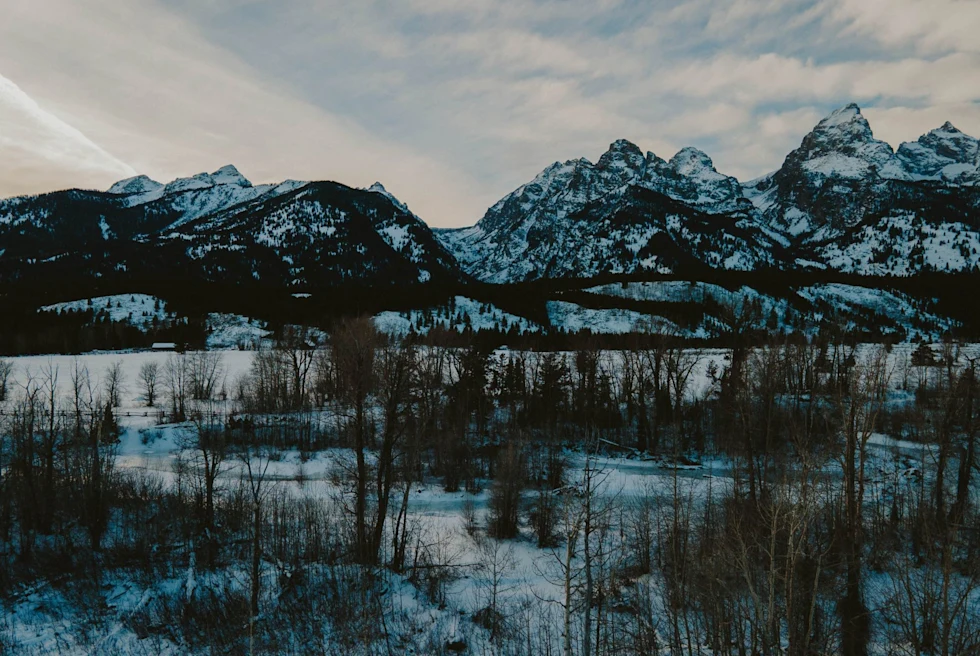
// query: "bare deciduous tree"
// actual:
[[148, 376]]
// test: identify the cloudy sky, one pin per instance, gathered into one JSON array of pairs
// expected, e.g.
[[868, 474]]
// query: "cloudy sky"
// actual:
[[454, 103]]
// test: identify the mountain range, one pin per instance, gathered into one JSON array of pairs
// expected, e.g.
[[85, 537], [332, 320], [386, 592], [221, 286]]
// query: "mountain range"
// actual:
[[843, 202]]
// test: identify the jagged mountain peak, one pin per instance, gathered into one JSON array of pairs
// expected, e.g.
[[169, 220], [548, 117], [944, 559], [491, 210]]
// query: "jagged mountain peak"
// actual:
[[843, 146], [624, 146], [140, 184], [945, 153], [623, 163], [228, 174], [379, 188], [691, 160], [841, 128], [849, 113]]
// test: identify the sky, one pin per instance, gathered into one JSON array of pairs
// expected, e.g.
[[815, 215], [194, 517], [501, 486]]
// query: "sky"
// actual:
[[452, 104]]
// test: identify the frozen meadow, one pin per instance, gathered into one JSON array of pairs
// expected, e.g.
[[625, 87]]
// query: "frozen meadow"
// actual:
[[462, 587]]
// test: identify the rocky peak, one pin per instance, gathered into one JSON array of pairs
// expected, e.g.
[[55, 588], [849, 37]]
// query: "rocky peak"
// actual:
[[624, 160], [843, 130], [226, 175], [691, 161], [229, 175], [842, 145], [945, 153], [379, 188], [140, 184]]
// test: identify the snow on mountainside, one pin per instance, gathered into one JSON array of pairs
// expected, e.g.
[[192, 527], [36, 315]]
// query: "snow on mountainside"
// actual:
[[829, 182], [140, 185], [846, 201], [234, 331], [944, 154], [460, 314], [627, 213], [802, 310], [140, 310], [186, 199], [320, 233], [573, 318], [902, 244], [843, 200], [219, 227]]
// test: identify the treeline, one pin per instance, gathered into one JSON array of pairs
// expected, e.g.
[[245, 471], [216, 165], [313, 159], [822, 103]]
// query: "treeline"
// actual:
[[807, 542]]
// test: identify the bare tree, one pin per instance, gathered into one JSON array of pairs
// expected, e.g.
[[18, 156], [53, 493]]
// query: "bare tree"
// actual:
[[298, 348], [148, 376], [6, 374], [255, 460], [177, 378], [860, 399], [932, 609], [505, 495], [495, 562], [113, 384], [353, 346], [209, 444], [206, 370]]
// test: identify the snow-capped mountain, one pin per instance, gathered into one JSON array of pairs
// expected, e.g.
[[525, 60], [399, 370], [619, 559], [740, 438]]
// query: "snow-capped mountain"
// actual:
[[843, 200], [838, 175], [628, 212], [849, 202], [944, 154], [218, 226], [322, 233]]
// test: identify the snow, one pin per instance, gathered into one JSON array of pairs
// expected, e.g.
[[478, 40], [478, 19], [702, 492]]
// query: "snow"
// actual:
[[899, 308], [902, 244], [139, 310], [47, 619], [228, 331], [229, 175], [379, 188], [141, 185], [396, 236], [460, 314], [570, 317], [842, 166]]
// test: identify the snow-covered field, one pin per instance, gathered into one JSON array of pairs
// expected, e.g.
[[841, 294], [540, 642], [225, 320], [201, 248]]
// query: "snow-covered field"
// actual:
[[43, 620]]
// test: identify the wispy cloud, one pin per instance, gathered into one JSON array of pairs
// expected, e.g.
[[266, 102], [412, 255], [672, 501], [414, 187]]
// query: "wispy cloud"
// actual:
[[453, 103], [38, 146]]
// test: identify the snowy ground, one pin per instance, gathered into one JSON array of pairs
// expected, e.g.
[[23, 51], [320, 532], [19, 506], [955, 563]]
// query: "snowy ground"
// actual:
[[460, 314], [140, 310], [861, 307], [41, 619], [228, 331]]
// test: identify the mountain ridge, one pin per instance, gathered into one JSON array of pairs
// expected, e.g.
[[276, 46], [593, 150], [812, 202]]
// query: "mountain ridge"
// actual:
[[842, 201]]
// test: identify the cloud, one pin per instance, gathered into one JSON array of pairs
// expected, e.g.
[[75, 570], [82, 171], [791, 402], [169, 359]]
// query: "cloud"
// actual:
[[36, 146], [931, 26], [144, 81]]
